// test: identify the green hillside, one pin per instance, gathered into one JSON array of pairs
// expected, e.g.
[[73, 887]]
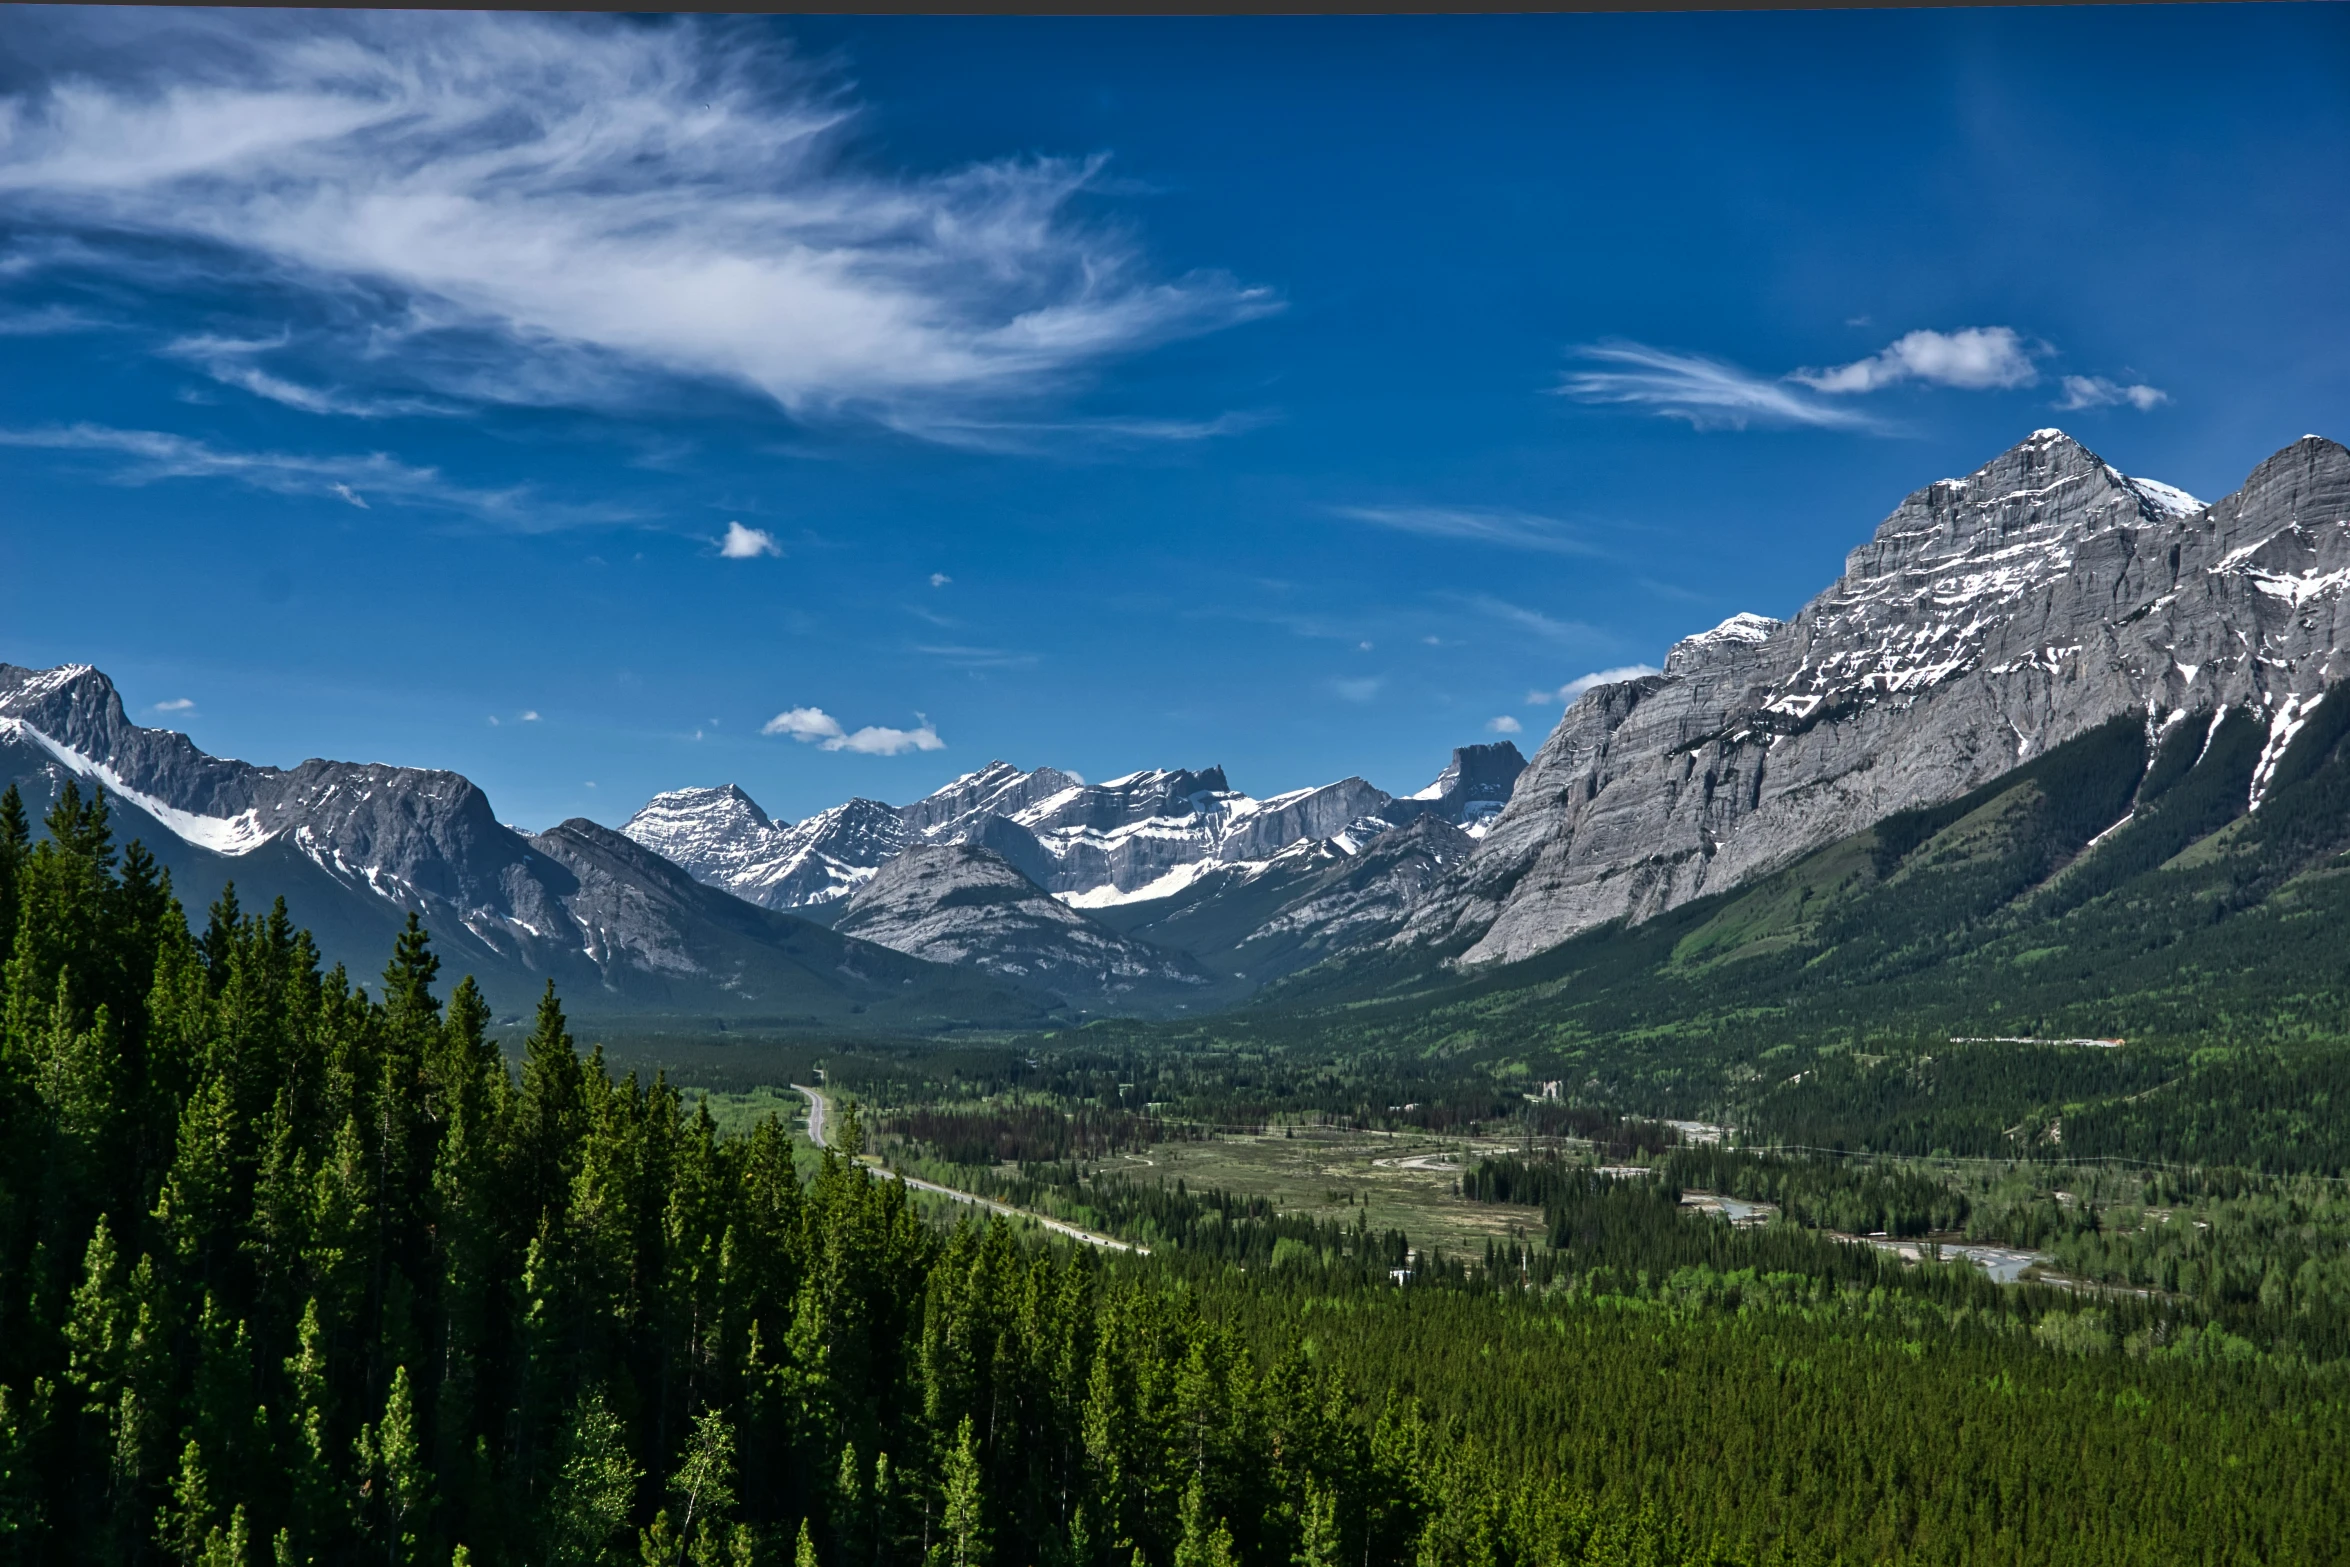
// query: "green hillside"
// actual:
[[2118, 887]]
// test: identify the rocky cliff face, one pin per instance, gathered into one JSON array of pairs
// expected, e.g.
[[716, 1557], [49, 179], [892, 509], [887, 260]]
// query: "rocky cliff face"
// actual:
[[1988, 619], [1471, 790], [955, 903]]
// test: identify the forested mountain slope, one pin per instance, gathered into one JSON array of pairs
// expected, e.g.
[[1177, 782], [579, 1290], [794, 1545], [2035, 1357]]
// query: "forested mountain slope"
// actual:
[[2122, 886]]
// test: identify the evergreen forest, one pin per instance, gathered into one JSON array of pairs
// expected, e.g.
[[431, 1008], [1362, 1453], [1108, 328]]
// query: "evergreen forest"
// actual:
[[298, 1267]]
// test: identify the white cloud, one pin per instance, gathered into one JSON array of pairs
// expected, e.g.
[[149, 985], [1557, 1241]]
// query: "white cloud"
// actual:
[[1062, 436], [554, 209], [150, 456], [178, 704], [1565, 695], [939, 579], [1709, 393], [743, 543], [1515, 530], [963, 657], [804, 724], [46, 321], [1504, 725], [1544, 626], [1975, 359], [1358, 690], [530, 715], [2095, 391], [814, 726]]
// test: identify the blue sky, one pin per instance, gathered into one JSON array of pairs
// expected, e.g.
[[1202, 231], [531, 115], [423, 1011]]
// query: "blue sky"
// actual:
[[567, 402]]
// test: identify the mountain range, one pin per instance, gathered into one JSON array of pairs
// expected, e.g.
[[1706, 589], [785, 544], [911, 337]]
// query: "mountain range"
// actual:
[[1991, 622]]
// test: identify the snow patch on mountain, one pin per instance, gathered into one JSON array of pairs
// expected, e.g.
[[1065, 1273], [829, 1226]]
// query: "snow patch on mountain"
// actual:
[[232, 835]]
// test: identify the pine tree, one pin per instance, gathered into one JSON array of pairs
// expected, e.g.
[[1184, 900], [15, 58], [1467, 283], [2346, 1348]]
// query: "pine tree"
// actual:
[[594, 1488], [394, 1487], [182, 1522], [552, 1112], [1317, 1544], [312, 1489], [962, 1485], [1206, 1541], [16, 847]]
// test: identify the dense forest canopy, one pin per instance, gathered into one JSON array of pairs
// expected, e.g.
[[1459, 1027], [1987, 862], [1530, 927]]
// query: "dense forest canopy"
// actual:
[[295, 1271]]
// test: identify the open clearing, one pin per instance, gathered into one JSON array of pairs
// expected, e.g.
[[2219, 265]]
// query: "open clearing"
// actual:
[[1403, 1181]]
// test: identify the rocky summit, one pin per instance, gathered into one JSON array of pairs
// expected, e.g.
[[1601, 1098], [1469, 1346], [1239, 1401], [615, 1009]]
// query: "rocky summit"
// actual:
[[1142, 836], [1989, 619], [959, 904]]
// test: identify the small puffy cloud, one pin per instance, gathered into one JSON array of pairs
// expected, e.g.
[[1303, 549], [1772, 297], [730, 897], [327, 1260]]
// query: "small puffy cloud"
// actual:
[[804, 724], [877, 740], [2095, 391], [1574, 688], [743, 543], [1504, 725], [1974, 359], [939, 579], [178, 704], [530, 715], [814, 726]]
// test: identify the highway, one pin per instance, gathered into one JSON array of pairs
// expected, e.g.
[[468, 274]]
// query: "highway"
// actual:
[[816, 1135]]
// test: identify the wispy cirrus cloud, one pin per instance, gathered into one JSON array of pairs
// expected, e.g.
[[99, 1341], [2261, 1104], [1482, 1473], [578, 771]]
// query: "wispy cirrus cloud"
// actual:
[[556, 209], [141, 457], [1077, 437], [1505, 529], [814, 726], [1711, 394], [961, 656], [2095, 391], [1547, 627], [45, 321], [1714, 394], [234, 362]]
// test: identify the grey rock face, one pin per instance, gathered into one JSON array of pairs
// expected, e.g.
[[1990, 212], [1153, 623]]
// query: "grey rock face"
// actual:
[[1990, 618], [955, 903], [1471, 790]]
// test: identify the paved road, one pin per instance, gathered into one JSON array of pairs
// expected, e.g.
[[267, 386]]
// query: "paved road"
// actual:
[[816, 1109]]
